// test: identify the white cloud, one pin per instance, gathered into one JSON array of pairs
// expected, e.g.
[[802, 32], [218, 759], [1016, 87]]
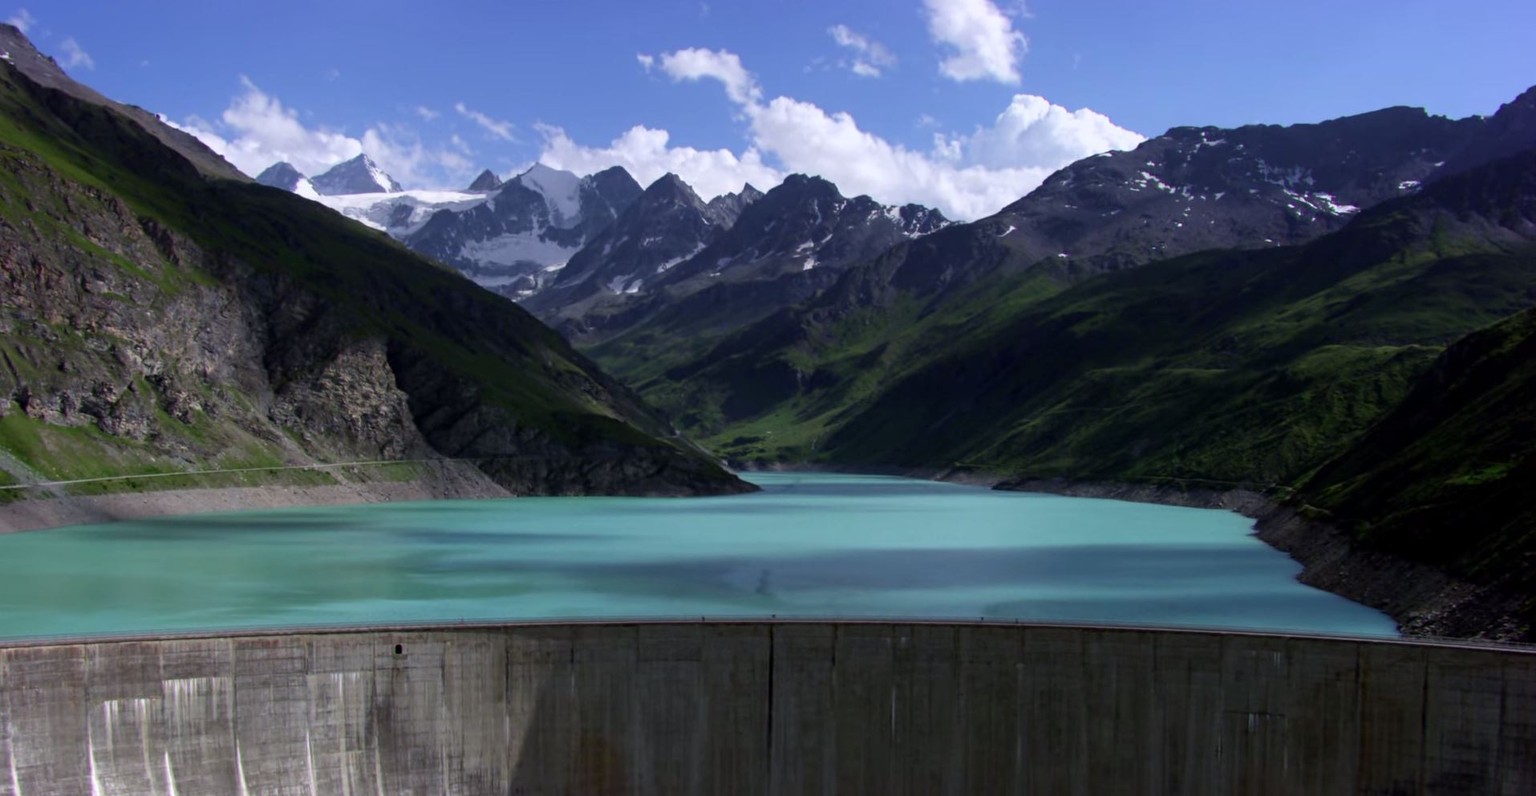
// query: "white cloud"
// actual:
[[401, 153], [985, 46], [965, 175], [23, 20], [495, 127], [257, 130], [646, 61], [647, 154], [75, 56], [1032, 131], [426, 114], [870, 56], [697, 64]]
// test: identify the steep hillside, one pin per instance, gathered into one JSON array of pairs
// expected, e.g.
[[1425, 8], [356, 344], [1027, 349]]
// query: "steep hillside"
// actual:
[[1446, 478], [798, 371], [1251, 366], [159, 318]]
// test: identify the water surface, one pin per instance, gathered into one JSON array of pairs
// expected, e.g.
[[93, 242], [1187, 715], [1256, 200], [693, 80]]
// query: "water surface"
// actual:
[[807, 545]]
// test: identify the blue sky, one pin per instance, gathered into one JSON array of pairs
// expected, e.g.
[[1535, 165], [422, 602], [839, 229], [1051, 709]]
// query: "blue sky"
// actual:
[[962, 104]]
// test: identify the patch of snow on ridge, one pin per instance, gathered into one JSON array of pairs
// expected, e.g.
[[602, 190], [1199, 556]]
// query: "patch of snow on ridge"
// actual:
[[376, 209], [521, 247], [1334, 207], [1005, 232], [666, 266], [1408, 185], [561, 191]]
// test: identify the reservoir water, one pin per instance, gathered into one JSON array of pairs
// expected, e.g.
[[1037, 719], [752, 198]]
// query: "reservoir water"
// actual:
[[807, 545]]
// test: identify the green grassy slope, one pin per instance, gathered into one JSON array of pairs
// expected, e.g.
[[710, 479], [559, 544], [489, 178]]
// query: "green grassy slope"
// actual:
[[483, 376], [1250, 366], [1446, 478]]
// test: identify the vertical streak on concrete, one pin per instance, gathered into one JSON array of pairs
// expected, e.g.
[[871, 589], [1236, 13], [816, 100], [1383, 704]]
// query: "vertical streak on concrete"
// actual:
[[803, 742], [1254, 676], [1188, 709], [990, 699], [754, 708], [1120, 710], [1322, 706], [46, 691], [1461, 746], [1517, 720], [272, 711], [923, 697], [12, 786], [604, 695], [541, 706], [670, 731], [862, 708], [734, 749], [1392, 707], [1054, 709]]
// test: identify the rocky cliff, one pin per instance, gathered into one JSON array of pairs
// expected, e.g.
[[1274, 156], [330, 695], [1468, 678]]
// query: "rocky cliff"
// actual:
[[157, 318]]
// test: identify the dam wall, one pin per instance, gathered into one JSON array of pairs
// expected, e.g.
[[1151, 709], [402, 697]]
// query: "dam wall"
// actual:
[[764, 707]]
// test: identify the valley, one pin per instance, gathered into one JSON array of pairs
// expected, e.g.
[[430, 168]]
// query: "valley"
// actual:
[[1328, 323]]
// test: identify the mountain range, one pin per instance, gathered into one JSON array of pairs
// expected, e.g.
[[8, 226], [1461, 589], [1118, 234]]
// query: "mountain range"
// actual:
[[1335, 316], [161, 316]]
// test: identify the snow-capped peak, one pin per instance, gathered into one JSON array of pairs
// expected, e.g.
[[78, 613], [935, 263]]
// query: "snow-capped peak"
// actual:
[[358, 175], [561, 191]]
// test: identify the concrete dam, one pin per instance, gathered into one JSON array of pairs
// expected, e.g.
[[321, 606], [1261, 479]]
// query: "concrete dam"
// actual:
[[764, 708]]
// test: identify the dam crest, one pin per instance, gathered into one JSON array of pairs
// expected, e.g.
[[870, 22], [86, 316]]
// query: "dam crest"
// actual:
[[763, 707]]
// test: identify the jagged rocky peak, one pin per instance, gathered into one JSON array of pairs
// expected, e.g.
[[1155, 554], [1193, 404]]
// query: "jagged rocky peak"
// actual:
[[671, 187], [358, 175], [1509, 131], [723, 210], [487, 181], [282, 175], [1196, 188]]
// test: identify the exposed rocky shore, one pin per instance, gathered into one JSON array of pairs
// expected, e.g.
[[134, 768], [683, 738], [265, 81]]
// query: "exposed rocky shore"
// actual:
[[1423, 600], [435, 481]]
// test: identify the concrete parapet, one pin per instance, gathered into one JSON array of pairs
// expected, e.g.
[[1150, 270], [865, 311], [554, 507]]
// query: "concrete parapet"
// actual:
[[764, 708]]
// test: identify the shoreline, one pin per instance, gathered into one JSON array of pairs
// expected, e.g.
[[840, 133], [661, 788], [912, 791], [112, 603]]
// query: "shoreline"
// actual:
[[448, 480], [1424, 601]]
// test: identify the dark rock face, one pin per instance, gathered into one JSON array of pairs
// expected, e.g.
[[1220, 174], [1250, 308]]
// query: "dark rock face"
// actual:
[[533, 223], [281, 175], [1508, 132], [673, 250], [723, 210], [487, 181], [1200, 188], [234, 324], [358, 175]]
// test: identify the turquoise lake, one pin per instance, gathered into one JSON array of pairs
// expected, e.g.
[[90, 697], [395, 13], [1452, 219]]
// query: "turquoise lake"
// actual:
[[819, 545]]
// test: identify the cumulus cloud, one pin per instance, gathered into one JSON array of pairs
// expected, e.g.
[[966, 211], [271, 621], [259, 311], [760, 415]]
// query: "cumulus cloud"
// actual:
[[697, 64], [967, 175], [870, 56], [982, 42], [495, 127], [22, 20], [401, 153], [74, 56], [257, 130], [647, 154], [646, 61]]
